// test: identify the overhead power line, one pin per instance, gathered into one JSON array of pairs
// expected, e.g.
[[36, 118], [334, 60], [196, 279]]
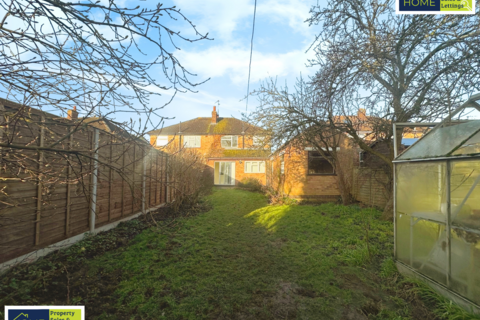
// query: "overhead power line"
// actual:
[[251, 52]]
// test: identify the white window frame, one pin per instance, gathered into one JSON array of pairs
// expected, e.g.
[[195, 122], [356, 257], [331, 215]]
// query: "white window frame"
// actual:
[[257, 141], [231, 139], [248, 168], [187, 141], [162, 141]]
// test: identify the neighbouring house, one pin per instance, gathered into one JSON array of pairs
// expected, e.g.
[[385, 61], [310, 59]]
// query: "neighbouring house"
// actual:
[[114, 128], [233, 148], [301, 172]]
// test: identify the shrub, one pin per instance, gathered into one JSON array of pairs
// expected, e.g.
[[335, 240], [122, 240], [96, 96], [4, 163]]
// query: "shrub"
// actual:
[[192, 178], [278, 198], [251, 184]]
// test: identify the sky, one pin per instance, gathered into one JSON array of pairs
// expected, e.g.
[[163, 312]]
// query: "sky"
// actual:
[[279, 50]]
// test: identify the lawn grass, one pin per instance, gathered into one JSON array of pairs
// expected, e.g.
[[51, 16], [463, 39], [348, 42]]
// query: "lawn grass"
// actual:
[[244, 259]]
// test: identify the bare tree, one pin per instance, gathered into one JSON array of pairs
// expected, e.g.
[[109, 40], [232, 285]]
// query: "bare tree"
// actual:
[[95, 55], [397, 67], [300, 118], [105, 60]]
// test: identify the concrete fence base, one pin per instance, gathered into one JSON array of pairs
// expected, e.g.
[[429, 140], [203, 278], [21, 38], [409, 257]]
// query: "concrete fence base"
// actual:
[[35, 255]]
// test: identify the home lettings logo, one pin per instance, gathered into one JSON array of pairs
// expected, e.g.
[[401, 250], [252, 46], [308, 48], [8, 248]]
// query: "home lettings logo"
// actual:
[[435, 6], [21, 316]]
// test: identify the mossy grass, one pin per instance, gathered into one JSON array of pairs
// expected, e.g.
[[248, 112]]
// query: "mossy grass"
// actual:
[[245, 259]]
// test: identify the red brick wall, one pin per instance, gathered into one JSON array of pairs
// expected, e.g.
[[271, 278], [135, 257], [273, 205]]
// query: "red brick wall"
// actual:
[[240, 170], [210, 147], [295, 181]]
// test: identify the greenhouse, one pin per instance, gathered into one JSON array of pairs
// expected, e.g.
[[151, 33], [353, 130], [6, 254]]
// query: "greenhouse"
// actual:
[[437, 206]]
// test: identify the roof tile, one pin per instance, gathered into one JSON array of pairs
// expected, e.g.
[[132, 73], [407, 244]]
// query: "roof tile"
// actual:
[[204, 126]]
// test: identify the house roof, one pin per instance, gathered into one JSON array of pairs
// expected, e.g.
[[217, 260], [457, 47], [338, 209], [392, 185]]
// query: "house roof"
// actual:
[[204, 126], [110, 127]]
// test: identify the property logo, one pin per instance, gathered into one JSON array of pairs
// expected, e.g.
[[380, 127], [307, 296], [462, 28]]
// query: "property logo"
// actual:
[[44, 313], [435, 6]]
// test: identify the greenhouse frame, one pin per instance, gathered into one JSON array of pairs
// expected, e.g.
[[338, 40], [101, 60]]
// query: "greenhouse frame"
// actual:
[[437, 207]]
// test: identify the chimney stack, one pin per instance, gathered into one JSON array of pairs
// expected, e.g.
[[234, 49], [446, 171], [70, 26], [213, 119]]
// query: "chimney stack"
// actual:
[[72, 114], [214, 115], [362, 114]]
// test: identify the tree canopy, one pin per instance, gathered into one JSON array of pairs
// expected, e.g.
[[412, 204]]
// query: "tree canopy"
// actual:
[[96, 55]]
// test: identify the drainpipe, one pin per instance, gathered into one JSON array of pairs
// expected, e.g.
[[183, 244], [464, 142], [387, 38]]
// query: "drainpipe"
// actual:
[[144, 178], [93, 203]]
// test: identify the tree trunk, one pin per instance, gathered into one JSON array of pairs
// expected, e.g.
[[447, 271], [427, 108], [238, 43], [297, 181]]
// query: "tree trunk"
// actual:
[[388, 210], [344, 188]]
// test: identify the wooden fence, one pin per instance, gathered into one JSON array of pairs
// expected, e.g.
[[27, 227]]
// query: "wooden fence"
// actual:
[[370, 187], [80, 178]]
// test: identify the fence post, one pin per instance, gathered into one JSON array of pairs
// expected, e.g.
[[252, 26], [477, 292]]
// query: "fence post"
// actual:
[[134, 195], [167, 185], [110, 180], [2, 131], [144, 180], [150, 188], [156, 179], [162, 196], [93, 200], [39, 184], [123, 180], [69, 185]]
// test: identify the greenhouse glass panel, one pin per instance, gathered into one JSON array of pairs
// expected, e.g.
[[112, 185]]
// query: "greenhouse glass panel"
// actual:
[[465, 264], [441, 141], [471, 146], [465, 194], [421, 213]]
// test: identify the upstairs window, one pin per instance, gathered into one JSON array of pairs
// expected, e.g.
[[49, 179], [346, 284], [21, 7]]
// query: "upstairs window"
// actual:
[[162, 141], [257, 141], [229, 142], [318, 165], [254, 166], [192, 141]]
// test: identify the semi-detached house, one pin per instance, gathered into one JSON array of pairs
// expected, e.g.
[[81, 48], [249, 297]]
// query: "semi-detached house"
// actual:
[[233, 148]]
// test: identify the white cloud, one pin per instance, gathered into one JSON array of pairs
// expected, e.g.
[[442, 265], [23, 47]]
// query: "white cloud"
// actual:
[[292, 11], [221, 18], [218, 17], [233, 62]]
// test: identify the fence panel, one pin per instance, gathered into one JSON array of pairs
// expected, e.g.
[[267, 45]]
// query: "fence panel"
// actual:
[[46, 195], [371, 187]]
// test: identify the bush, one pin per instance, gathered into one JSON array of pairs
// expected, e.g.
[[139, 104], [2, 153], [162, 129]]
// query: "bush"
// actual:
[[251, 184], [278, 198], [192, 178]]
